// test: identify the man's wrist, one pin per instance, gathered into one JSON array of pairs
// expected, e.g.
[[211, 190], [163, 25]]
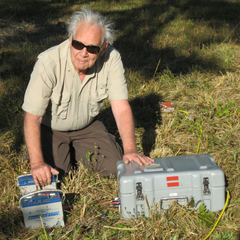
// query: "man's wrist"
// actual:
[[36, 163], [130, 151]]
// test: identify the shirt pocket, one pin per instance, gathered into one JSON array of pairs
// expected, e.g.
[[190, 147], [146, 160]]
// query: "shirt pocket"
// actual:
[[96, 103], [60, 104]]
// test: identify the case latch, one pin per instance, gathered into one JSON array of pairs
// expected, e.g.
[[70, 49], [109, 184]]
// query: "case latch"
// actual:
[[206, 190], [139, 191]]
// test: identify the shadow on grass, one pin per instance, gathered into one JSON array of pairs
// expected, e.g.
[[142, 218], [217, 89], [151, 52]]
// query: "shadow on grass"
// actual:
[[138, 27], [141, 26], [146, 114], [10, 222]]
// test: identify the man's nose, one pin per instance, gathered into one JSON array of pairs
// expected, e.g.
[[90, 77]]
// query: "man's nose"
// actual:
[[84, 52]]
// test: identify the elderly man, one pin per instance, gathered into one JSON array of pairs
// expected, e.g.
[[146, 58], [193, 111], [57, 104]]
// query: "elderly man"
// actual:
[[68, 86]]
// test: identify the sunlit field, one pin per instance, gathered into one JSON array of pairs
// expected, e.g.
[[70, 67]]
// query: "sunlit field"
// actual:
[[186, 52]]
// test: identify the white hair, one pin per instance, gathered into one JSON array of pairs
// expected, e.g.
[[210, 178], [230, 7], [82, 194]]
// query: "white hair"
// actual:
[[87, 15]]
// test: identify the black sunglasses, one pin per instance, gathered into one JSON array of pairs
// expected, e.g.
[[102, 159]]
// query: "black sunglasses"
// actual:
[[91, 48]]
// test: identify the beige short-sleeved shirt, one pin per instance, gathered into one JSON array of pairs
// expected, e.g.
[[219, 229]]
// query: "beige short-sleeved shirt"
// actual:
[[56, 92]]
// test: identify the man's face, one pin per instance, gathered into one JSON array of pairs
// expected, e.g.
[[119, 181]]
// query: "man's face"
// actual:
[[89, 35]]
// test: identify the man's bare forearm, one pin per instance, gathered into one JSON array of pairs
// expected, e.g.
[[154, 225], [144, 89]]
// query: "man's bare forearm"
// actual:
[[32, 133], [124, 119], [40, 171]]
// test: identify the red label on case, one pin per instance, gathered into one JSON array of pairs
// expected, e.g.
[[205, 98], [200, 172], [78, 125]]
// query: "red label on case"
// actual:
[[173, 184], [175, 178]]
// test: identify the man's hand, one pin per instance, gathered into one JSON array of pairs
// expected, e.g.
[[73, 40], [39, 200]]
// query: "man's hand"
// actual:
[[42, 173], [137, 157]]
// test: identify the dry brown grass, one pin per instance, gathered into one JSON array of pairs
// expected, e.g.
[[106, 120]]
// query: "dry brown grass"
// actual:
[[186, 52]]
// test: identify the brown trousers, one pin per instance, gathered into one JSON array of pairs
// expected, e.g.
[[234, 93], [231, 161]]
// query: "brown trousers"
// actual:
[[93, 146]]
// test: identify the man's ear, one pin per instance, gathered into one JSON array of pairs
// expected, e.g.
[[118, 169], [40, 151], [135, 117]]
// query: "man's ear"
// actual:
[[103, 49], [70, 41]]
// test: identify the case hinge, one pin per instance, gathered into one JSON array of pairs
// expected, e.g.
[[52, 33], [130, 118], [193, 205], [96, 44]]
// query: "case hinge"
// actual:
[[139, 191], [206, 190]]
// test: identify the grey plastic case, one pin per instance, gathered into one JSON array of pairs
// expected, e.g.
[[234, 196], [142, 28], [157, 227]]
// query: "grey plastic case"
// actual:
[[180, 178]]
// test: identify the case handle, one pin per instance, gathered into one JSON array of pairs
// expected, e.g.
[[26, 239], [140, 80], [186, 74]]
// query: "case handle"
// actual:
[[35, 193], [171, 199]]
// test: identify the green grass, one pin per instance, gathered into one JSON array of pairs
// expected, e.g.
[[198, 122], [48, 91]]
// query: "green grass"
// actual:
[[186, 52]]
